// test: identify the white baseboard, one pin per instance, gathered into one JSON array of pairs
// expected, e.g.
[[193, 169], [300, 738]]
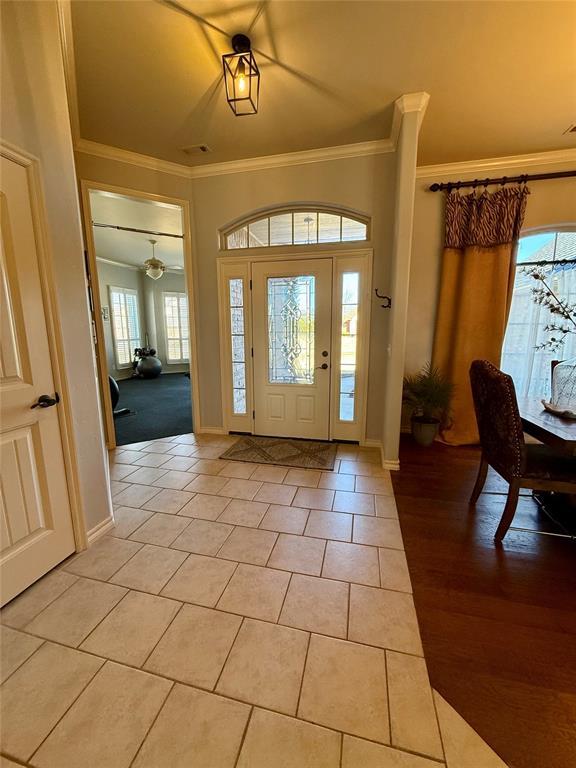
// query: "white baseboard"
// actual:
[[100, 530], [211, 431], [371, 443], [391, 465]]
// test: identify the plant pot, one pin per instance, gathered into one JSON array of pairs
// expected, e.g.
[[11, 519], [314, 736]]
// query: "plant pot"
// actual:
[[424, 430]]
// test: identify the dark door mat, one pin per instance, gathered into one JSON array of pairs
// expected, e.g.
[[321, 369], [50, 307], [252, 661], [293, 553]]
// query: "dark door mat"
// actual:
[[309, 454]]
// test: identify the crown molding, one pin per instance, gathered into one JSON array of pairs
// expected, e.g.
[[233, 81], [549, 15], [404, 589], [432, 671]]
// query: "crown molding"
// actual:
[[108, 152], [553, 157], [362, 149]]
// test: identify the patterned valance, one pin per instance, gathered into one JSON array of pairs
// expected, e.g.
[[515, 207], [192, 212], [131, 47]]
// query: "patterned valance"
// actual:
[[487, 219]]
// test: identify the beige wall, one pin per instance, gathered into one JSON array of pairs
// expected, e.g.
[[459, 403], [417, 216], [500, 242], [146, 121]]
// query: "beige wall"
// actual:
[[551, 202], [365, 184], [35, 118]]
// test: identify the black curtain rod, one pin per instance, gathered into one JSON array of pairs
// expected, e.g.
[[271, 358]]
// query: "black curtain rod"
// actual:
[[450, 185], [142, 231]]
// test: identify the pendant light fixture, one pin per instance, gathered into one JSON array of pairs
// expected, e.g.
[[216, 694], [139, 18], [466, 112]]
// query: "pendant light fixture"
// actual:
[[154, 267], [241, 77]]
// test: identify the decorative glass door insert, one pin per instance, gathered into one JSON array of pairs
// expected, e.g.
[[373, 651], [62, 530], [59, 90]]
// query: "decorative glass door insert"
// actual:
[[237, 334], [291, 330], [348, 338]]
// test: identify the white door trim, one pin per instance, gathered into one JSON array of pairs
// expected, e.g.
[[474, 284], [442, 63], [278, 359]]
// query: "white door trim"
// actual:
[[190, 270], [54, 326], [238, 264]]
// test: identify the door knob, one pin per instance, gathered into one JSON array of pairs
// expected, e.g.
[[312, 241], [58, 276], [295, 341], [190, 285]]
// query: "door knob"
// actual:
[[45, 401], [323, 366]]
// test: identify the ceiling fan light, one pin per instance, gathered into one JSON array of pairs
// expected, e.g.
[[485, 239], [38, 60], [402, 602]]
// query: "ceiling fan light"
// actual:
[[154, 267]]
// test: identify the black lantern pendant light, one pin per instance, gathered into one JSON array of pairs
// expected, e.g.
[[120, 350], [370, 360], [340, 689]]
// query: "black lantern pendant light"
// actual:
[[242, 77]]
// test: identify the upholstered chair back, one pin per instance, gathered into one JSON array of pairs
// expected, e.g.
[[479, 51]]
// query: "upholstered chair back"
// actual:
[[499, 423]]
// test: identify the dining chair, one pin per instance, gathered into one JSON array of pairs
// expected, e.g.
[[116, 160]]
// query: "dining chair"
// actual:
[[536, 467]]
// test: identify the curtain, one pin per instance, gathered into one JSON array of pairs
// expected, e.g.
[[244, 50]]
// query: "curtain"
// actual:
[[476, 286]]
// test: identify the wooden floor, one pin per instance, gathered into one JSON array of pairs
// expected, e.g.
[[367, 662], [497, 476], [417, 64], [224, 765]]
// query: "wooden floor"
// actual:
[[498, 625]]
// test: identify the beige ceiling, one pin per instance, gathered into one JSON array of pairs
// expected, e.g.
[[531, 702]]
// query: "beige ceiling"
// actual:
[[134, 248], [501, 75]]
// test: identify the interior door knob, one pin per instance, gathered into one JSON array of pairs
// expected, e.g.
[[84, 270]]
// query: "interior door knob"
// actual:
[[323, 366], [45, 401]]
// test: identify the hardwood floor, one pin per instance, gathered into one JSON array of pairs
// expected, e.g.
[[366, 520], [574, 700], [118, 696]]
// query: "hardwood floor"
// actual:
[[498, 624]]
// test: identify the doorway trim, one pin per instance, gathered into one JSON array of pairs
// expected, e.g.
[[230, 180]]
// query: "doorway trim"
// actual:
[[238, 264], [95, 299]]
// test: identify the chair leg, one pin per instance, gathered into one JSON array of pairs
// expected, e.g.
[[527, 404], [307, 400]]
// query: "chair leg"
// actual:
[[480, 480], [509, 511]]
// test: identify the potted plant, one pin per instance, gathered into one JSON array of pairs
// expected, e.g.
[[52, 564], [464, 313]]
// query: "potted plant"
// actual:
[[429, 393]]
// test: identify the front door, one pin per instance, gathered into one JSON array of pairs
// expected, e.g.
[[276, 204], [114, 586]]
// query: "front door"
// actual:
[[291, 310], [35, 523]]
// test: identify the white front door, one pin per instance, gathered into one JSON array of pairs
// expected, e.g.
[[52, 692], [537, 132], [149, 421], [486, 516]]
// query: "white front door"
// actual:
[[291, 311], [35, 524]]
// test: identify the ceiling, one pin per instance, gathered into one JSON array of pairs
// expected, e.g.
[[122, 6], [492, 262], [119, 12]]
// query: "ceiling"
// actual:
[[501, 75], [134, 247]]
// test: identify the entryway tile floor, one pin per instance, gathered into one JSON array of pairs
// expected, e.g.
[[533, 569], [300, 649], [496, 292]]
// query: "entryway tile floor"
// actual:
[[236, 615]]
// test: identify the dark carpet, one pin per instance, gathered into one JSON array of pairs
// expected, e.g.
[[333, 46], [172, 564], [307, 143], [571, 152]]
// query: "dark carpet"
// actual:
[[159, 407]]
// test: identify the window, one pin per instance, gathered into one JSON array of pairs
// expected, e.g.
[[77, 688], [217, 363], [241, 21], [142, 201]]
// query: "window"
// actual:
[[176, 324], [297, 227], [237, 331], [348, 338], [125, 324], [530, 367]]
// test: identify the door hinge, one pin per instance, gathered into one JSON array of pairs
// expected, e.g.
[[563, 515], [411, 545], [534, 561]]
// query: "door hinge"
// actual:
[[250, 284], [251, 351], [253, 414]]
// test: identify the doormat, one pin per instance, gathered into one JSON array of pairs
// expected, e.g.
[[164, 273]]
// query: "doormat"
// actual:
[[310, 454]]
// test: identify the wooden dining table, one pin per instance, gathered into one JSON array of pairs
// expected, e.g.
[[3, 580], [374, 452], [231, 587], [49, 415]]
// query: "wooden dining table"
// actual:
[[550, 429]]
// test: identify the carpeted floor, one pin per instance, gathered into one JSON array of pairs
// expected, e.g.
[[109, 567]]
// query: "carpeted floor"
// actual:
[[160, 407]]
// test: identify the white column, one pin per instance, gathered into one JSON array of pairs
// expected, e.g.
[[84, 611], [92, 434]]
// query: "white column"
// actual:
[[408, 116]]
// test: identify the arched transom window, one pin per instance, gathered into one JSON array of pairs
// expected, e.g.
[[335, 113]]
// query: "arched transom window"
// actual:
[[305, 226]]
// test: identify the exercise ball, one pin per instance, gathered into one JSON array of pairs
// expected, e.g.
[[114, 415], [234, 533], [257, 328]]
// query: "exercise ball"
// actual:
[[149, 367], [114, 391]]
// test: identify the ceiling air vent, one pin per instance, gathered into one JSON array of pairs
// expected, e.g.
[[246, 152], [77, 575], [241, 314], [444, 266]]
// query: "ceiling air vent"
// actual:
[[196, 149]]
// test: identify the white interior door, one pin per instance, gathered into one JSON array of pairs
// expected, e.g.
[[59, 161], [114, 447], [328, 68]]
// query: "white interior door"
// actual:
[[35, 523], [291, 311]]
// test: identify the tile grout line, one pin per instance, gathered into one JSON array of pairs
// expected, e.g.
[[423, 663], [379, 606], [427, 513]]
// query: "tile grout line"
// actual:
[[34, 652], [172, 620], [75, 699], [283, 603], [388, 704], [232, 644], [244, 734], [153, 723], [212, 691], [437, 717], [303, 675]]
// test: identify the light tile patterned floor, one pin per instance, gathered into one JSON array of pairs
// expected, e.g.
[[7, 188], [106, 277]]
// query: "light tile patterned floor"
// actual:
[[237, 615]]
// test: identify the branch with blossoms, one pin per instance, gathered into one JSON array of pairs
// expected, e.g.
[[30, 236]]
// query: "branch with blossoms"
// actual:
[[564, 312]]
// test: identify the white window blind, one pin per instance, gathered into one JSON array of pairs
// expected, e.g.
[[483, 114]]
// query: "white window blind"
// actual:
[[176, 324], [125, 324]]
